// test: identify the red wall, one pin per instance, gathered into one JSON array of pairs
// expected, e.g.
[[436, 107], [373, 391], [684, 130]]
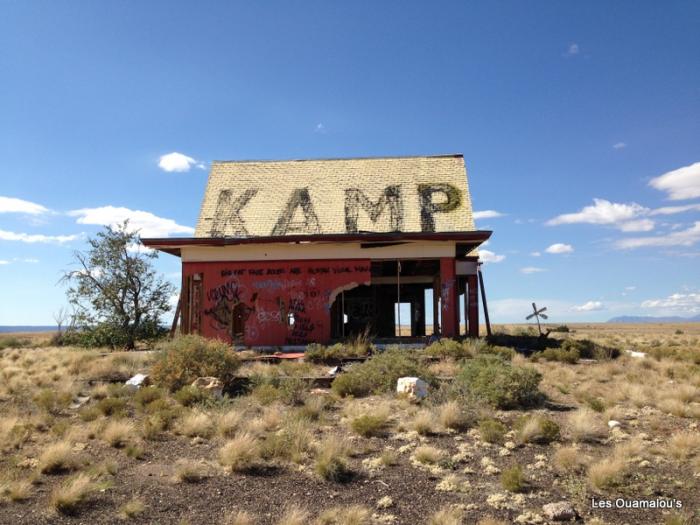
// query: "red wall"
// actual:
[[270, 290], [449, 297]]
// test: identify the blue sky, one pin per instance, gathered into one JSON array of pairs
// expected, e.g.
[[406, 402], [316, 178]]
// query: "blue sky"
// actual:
[[579, 123]]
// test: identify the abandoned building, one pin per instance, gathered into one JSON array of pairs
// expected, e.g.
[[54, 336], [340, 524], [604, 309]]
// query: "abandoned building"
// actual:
[[288, 253]]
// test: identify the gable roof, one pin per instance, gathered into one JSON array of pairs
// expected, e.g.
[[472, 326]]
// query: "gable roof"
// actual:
[[336, 196]]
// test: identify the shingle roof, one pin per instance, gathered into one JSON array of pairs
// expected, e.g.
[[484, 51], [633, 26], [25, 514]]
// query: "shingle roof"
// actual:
[[407, 194]]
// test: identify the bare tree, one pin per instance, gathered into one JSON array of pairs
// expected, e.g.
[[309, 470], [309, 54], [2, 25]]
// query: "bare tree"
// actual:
[[61, 316]]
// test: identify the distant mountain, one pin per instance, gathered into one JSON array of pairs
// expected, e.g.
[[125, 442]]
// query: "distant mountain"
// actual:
[[32, 328], [651, 319]]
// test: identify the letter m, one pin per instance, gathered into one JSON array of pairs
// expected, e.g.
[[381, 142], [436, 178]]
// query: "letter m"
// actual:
[[390, 198]]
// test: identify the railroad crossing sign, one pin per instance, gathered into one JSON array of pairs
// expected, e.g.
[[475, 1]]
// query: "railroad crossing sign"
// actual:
[[537, 314]]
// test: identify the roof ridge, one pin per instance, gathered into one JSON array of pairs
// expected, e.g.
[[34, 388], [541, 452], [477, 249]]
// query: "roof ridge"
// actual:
[[379, 157]]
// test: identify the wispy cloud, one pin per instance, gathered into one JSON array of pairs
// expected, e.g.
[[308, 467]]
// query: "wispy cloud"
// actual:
[[671, 210], [572, 50], [3, 261], [535, 254], [13, 205], [146, 223], [680, 184], [603, 212], [619, 145], [35, 238], [488, 256], [487, 214], [559, 248], [687, 237], [682, 302], [532, 269], [589, 306], [179, 162], [320, 128]]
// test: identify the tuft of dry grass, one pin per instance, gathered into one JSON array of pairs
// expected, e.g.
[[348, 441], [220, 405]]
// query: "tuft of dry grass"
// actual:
[[132, 508], [119, 433], [197, 424], [447, 516], [331, 462], [453, 417], [239, 517], [18, 490], [294, 515], [369, 425], [240, 454], [490, 521], [57, 457], [350, 515], [427, 455], [683, 445], [229, 423], [585, 425], [607, 473], [570, 459], [67, 497], [424, 423], [190, 471]]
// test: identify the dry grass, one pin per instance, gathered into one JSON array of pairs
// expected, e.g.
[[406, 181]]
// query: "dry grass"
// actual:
[[447, 516], [240, 454], [190, 471], [428, 455], [229, 423], [570, 459], [350, 515], [331, 460], [607, 473], [132, 508], [57, 457], [683, 445], [451, 416], [67, 497], [197, 424], [294, 515], [424, 422], [19, 490], [492, 521], [119, 433], [585, 425], [239, 517]]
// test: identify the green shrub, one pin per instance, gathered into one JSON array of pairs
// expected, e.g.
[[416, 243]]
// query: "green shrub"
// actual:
[[51, 401], [451, 348], [107, 334], [513, 479], [110, 406], [503, 352], [587, 349], [13, 342], [497, 382], [562, 328], [288, 390], [380, 373], [368, 425], [492, 430], [190, 395], [570, 355], [184, 359], [316, 353], [147, 395]]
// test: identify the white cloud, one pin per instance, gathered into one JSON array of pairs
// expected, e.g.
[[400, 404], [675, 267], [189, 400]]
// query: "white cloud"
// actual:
[[590, 306], [619, 145], [531, 269], [487, 214], [639, 225], [488, 256], [573, 49], [559, 248], [686, 237], [683, 183], [630, 288], [320, 128], [35, 238], [602, 212], [178, 162], [684, 302], [536, 254], [13, 205], [670, 210], [146, 223], [2, 261]]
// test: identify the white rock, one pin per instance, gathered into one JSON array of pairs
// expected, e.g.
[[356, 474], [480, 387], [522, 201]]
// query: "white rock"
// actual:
[[211, 385], [138, 381], [413, 387], [637, 355], [560, 511], [613, 424]]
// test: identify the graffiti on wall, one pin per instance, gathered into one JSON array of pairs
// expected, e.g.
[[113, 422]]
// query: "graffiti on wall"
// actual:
[[273, 304], [433, 198]]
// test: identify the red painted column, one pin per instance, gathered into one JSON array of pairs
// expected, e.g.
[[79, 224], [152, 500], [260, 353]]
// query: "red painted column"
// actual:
[[449, 297], [473, 306]]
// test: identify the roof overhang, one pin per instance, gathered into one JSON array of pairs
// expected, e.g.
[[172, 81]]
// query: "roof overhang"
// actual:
[[173, 245]]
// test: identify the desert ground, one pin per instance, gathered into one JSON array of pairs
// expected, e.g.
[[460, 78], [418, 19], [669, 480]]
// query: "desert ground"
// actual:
[[499, 437]]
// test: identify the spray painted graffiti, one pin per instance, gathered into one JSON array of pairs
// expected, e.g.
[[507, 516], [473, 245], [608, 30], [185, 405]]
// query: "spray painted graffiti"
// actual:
[[229, 312]]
